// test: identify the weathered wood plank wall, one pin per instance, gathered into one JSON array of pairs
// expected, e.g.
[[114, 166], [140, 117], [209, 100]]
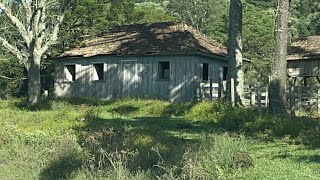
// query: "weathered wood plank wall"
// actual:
[[136, 76], [304, 68]]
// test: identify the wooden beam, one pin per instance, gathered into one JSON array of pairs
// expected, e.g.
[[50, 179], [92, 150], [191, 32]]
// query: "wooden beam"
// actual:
[[305, 81], [318, 79]]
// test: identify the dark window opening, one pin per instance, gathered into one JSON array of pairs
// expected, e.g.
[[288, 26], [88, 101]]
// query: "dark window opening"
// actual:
[[70, 72], [225, 73], [98, 72], [164, 70], [205, 71]]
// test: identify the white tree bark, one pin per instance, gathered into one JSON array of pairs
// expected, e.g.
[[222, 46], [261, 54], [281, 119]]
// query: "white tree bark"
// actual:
[[235, 62], [37, 24]]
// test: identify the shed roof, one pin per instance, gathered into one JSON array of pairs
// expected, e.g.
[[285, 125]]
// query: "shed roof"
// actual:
[[305, 48], [150, 38]]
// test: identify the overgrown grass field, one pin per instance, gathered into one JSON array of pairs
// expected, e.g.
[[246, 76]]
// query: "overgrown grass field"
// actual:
[[153, 139]]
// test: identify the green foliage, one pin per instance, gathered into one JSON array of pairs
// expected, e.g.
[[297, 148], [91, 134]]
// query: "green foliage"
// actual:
[[128, 139], [31, 151], [304, 18], [12, 78], [207, 111], [92, 17], [310, 136], [221, 115], [209, 16], [152, 12], [216, 157], [258, 42]]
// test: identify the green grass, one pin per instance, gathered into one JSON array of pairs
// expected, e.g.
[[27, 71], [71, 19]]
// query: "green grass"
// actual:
[[153, 139]]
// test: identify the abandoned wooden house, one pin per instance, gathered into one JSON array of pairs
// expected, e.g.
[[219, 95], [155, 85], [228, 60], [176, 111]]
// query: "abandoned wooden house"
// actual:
[[156, 60], [304, 59]]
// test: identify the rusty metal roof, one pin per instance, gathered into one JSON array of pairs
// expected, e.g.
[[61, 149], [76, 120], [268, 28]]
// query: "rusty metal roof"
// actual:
[[305, 48], [150, 38]]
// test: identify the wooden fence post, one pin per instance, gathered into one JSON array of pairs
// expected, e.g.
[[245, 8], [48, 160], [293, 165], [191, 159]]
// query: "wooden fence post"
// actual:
[[220, 87], [310, 100], [259, 96], [299, 97], [318, 100], [267, 96], [198, 94], [211, 94], [253, 98], [233, 103], [292, 98]]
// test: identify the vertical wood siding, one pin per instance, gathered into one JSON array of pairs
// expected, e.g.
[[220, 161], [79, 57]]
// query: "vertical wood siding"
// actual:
[[298, 68], [136, 76]]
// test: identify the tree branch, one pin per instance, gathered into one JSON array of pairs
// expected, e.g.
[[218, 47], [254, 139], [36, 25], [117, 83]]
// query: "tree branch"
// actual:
[[54, 35], [17, 23], [27, 9], [4, 77], [14, 50], [41, 26]]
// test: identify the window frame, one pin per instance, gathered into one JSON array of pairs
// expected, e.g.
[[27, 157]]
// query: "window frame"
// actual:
[[72, 73], [98, 73], [207, 72], [161, 71], [225, 73]]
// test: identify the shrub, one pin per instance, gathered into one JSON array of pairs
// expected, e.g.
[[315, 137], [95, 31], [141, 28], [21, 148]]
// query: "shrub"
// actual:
[[310, 136], [207, 111], [216, 157], [234, 119], [108, 156]]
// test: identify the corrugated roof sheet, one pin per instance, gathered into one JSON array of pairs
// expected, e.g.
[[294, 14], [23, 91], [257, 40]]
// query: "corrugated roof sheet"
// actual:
[[151, 38]]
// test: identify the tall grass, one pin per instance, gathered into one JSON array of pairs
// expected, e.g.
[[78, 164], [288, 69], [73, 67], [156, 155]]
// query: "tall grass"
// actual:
[[217, 157], [138, 139]]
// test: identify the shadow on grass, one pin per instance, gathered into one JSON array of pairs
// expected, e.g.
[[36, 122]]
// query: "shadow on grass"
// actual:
[[298, 158], [62, 168], [84, 101], [125, 109], [154, 139], [274, 126], [46, 103], [42, 105], [163, 139], [309, 158], [177, 109]]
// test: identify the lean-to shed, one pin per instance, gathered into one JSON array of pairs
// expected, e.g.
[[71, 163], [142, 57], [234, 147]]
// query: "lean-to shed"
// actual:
[[304, 58], [156, 60]]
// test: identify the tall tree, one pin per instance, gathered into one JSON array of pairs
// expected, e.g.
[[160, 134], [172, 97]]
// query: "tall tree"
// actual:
[[36, 25], [208, 16], [277, 90], [235, 70], [258, 43], [304, 18]]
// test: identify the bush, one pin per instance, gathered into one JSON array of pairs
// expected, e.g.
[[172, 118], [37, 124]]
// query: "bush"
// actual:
[[108, 156], [216, 158], [235, 119], [208, 111], [310, 136]]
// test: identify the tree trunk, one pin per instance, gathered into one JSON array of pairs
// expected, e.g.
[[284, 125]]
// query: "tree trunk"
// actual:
[[277, 90], [34, 81], [235, 62]]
